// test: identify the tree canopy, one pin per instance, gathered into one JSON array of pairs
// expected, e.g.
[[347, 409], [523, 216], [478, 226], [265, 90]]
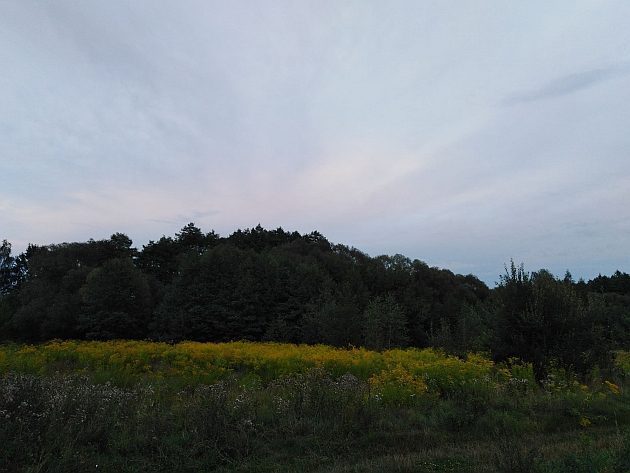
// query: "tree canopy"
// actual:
[[259, 284]]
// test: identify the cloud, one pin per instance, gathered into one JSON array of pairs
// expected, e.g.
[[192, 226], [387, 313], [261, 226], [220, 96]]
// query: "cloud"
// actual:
[[376, 125], [183, 219], [569, 84]]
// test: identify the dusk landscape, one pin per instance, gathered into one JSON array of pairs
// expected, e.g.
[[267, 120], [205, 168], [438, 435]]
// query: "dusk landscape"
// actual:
[[315, 236]]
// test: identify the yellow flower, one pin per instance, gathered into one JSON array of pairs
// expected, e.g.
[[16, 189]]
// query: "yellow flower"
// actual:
[[613, 388]]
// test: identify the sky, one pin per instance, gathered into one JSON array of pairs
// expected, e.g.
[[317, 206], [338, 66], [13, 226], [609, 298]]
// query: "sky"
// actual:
[[461, 133]]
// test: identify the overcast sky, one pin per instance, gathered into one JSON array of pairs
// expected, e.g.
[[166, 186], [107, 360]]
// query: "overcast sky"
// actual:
[[461, 133]]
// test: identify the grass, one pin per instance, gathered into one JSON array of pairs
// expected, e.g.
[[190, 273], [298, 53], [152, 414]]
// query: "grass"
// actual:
[[62, 416]]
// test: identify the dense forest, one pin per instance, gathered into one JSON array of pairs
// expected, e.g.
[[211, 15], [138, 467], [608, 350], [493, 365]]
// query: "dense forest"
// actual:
[[274, 285]]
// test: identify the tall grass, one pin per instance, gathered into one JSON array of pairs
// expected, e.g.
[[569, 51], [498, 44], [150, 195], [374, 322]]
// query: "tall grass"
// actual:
[[136, 406]]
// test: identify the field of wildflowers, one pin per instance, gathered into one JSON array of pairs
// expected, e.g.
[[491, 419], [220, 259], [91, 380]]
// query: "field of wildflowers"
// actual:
[[241, 406], [395, 375]]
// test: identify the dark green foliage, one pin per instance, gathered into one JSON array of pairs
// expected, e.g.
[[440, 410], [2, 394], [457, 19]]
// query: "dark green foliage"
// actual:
[[618, 283], [511, 457], [12, 269], [48, 301], [542, 320], [298, 289], [260, 284], [116, 302], [384, 324], [336, 321], [609, 314], [160, 259], [224, 294], [301, 423], [259, 239]]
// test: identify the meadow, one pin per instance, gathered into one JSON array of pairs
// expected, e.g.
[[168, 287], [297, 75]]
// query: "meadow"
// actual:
[[267, 407]]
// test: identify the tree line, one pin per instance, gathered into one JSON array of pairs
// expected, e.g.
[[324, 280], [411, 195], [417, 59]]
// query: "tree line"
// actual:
[[274, 285]]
